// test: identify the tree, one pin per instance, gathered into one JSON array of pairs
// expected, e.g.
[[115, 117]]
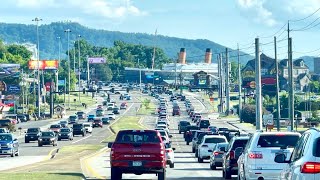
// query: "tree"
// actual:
[[314, 86]]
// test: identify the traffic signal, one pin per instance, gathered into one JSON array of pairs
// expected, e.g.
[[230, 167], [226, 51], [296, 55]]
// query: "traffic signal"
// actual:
[[84, 90]]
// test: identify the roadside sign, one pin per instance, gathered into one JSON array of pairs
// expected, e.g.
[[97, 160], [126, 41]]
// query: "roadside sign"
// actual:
[[268, 119], [61, 83], [252, 84], [184, 87], [96, 60]]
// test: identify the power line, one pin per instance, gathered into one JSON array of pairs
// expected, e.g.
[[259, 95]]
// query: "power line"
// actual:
[[270, 36], [307, 51], [297, 20], [308, 26]]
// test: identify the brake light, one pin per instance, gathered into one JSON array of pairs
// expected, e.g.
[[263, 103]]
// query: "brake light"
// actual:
[[310, 168], [169, 150], [216, 153], [255, 155], [231, 154], [204, 145]]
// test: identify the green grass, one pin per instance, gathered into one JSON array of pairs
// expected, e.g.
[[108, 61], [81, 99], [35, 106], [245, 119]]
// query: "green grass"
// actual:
[[80, 148], [42, 175], [144, 111], [126, 122]]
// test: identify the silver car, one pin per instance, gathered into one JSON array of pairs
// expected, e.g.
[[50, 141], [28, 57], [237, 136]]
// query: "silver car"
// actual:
[[217, 154], [257, 159], [305, 160]]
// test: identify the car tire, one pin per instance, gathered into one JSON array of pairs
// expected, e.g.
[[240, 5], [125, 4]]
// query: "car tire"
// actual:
[[187, 142], [193, 150], [200, 160], [213, 167], [179, 132], [116, 174], [26, 141], [13, 154], [227, 174], [196, 154], [59, 139], [17, 153], [39, 145], [83, 135], [171, 165], [162, 175]]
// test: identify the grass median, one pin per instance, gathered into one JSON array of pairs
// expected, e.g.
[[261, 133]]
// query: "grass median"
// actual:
[[147, 107], [126, 122], [42, 175]]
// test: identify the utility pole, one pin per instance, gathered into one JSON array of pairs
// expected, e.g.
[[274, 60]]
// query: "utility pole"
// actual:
[[57, 78], [219, 84], [79, 72], [69, 81], [258, 87], [175, 73], [139, 75], [74, 57], [239, 85], [222, 82], [291, 85], [227, 83], [277, 83]]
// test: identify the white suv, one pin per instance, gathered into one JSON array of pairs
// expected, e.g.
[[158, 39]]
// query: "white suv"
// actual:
[[257, 160], [207, 144], [305, 159]]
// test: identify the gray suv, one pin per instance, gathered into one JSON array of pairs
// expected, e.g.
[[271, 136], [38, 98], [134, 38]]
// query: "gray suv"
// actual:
[[304, 162]]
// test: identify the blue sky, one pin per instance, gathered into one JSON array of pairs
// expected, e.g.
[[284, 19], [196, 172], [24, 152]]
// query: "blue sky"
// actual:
[[226, 22]]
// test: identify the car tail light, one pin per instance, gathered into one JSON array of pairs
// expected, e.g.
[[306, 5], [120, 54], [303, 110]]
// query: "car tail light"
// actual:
[[216, 153], [231, 154], [255, 155], [310, 168], [168, 150], [204, 146]]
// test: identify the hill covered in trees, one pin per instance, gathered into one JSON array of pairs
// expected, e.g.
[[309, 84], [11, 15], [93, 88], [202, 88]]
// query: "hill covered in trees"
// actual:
[[49, 44]]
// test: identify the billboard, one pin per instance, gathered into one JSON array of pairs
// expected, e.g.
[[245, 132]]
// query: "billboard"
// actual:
[[43, 64], [96, 60], [14, 89], [9, 70]]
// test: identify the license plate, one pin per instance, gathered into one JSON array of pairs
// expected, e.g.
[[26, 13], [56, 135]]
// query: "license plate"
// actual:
[[136, 163]]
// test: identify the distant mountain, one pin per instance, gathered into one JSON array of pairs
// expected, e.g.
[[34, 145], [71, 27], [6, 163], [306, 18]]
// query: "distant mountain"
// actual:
[[49, 48], [309, 61]]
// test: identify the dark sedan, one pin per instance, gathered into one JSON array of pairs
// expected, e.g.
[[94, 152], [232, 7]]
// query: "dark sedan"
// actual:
[[48, 138], [65, 133]]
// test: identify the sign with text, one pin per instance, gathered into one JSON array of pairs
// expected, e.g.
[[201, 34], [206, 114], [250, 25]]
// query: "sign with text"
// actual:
[[43, 64], [61, 83], [14, 88], [96, 60], [12, 70]]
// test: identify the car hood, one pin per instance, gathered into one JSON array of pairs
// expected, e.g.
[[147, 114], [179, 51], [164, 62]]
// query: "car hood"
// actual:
[[3, 142]]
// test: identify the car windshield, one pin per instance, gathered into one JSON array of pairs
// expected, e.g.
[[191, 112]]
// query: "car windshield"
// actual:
[[275, 140], [163, 133], [77, 126], [214, 140], [72, 117], [86, 125], [138, 137], [65, 130], [55, 126], [48, 134], [5, 137], [184, 123], [32, 130], [80, 113]]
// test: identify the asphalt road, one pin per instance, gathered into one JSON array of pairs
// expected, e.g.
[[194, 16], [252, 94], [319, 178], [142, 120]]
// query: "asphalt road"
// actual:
[[30, 152], [186, 165]]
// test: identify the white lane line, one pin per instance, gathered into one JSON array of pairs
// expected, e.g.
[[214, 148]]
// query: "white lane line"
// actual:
[[81, 139]]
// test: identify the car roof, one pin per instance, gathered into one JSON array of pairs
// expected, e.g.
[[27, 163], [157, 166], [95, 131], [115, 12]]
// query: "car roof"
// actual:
[[214, 136], [278, 133], [240, 137]]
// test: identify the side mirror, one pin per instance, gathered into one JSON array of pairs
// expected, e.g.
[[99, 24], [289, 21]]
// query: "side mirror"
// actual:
[[280, 158], [174, 149], [15, 139], [110, 144], [210, 150], [170, 136], [223, 149]]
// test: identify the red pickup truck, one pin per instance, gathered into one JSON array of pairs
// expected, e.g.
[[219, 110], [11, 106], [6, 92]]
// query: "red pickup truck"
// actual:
[[137, 152]]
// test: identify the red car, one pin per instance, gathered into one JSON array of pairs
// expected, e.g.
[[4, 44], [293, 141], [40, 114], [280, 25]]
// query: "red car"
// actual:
[[55, 128], [138, 152], [97, 123]]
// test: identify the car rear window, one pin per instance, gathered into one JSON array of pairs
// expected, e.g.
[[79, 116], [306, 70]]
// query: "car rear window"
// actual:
[[138, 137], [278, 140], [184, 123], [239, 143], [31, 130], [214, 140], [316, 150]]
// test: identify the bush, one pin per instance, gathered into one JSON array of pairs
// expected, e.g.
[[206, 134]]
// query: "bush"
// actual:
[[248, 113], [146, 103]]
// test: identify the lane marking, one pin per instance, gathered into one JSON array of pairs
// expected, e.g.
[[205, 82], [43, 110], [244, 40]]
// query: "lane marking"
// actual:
[[81, 139], [50, 154]]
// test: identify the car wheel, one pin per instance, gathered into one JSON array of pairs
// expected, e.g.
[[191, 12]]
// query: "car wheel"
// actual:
[[227, 174], [162, 175], [196, 154], [39, 145], [179, 132], [13, 154], [187, 142], [193, 150], [83, 135], [17, 153], [116, 174], [59, 139], [200, 160], [171, 165], [26, 141], [212, 167]]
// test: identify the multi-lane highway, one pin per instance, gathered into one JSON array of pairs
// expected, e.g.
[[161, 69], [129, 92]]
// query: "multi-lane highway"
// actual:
[[186, 165]]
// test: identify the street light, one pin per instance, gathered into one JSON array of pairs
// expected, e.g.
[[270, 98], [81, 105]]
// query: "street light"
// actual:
[[57, 78], [38, 64], [68, 31], [79, 72]]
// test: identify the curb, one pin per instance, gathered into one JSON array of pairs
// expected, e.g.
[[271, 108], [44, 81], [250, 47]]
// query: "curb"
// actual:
[[52, 154]]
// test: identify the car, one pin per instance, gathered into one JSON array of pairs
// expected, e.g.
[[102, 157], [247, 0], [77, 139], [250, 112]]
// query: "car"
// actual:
[[32, 134], [145, 91], [150, 157], [4, 130], [196, 118], [162, 126], [198, 140], [127, 97], [63, 123], [170, 155], [81, 115], [305, 160], [208, 142], [88, 127], [22, 118], [105, 120], [55, 128], [110, 106], [231, 156], [78, 129], [176, 111], [257, 159], [160, 122], [91, 117], [65, 133], [9, 145], [189, 134], [204, 123], [213, 129], [182, 126], [73, 119], [97, 123], [99, 112], [48, 138], [111, 116], [116, 110], [188, 129], [217, 154], [123, 105]]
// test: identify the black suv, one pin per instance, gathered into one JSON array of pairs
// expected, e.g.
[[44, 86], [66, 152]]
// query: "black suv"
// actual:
[[182, 126], [32, 134], [79, 129], [231, 156], [204, 124], [48, 138]]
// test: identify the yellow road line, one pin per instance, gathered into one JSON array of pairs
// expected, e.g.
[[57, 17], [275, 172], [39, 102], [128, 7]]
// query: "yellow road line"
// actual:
[[50, 154], [89, 159]]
